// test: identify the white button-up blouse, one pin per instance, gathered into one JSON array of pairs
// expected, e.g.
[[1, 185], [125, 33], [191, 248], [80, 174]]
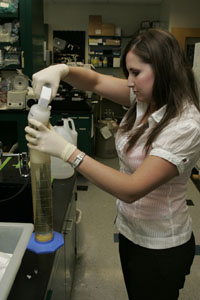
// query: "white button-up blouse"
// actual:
[[160, 219]]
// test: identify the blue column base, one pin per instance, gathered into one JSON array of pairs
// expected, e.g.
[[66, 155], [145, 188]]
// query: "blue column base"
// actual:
[[46, 247]]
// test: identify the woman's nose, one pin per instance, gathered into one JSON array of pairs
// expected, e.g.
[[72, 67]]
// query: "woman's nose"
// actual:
[[130, 82]]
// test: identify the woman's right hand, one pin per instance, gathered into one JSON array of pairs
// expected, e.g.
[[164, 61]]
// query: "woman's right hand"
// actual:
[[51, 77]]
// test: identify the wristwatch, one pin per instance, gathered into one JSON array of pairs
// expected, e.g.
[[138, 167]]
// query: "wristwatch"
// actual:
[[78, 160]]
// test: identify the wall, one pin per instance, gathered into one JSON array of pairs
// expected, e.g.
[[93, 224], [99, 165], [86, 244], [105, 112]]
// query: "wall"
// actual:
[[179, 13], [75, 16], [171, 13], [165, 13], [184, 13]]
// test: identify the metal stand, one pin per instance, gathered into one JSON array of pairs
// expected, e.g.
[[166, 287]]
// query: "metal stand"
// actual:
[[24, 169]]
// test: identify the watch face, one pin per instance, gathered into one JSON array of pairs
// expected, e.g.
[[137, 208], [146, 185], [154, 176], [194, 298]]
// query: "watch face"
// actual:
[[78, 160]]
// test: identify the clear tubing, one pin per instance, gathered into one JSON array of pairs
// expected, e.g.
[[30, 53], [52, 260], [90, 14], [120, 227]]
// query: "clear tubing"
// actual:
[[42, 195]]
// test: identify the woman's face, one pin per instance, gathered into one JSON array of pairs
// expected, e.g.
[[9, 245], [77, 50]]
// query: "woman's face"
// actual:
[[141, 77]]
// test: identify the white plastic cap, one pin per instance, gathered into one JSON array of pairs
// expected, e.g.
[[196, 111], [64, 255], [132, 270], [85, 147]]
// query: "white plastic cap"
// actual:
[[45, 96]]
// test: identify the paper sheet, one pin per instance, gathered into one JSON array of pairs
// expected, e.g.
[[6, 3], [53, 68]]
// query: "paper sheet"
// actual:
[[4, 261], [105, 132]]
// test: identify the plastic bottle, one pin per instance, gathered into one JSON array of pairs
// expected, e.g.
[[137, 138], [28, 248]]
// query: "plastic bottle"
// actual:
[[105, 62], [70, 128], [59, 168], [41, 175]]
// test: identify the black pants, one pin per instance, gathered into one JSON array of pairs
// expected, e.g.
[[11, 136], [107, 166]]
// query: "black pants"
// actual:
[[155, 274]]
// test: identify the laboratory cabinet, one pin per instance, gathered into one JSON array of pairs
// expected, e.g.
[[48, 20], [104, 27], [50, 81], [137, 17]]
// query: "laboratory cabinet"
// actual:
[[12, 124], [61, 280], [10, 50], [84, 126], [48, 275], [33, 36], [26, 50]]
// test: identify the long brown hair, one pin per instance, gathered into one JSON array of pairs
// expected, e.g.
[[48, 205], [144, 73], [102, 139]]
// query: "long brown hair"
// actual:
[[174, 79]]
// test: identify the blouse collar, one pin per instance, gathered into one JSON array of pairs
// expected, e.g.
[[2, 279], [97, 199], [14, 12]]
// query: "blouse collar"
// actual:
[[156, 116]]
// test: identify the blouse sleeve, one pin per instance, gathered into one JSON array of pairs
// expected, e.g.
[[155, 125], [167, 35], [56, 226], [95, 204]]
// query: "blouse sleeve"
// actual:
[[179, 143]]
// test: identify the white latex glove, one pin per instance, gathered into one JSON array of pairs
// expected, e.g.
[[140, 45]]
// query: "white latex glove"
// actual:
[[47, 140], [50, 76]]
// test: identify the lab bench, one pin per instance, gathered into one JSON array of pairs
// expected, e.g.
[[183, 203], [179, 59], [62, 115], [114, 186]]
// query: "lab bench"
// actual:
[[39, 274], [44, 276]]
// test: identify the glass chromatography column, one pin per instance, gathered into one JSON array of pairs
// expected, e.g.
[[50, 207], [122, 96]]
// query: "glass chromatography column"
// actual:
[[42, 196], [41, 175]]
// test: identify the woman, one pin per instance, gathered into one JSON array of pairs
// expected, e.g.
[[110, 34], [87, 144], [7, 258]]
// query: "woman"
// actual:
[[158, 144]]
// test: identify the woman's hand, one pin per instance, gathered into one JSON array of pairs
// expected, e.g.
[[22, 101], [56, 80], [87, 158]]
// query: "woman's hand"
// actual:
[[47, 140], [50, 76]]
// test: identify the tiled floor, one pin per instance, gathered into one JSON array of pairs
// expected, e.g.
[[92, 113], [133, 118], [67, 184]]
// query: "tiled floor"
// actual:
[[98, 273]]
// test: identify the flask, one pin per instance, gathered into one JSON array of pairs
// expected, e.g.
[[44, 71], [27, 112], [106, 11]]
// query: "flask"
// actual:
[[59, 168], [41, 175]]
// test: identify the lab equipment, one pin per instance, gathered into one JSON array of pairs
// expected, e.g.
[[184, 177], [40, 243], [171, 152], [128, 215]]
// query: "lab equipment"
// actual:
[[41, 175], [16, 96], [44, 239]]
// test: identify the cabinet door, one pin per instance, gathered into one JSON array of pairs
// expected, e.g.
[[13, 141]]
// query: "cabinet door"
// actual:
[[70, 249], [32, 32], [60, 284], [10, 50], [14, 122], [56, 288], [83, 126]]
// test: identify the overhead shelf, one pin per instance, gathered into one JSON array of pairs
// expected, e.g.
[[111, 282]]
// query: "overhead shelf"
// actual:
[[5, 44], [104, 51], [10, 67], [8, 15]]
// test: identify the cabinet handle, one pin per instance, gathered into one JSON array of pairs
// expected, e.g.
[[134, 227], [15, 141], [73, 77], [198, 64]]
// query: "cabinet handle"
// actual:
[[22, 59], [83, 129], [83, 118], [69, 225]]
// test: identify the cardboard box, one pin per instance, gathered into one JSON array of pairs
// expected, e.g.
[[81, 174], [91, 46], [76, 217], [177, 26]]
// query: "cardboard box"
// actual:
[[116, 62], [108, 29], [113, 42], [95, 24], [95, 41]]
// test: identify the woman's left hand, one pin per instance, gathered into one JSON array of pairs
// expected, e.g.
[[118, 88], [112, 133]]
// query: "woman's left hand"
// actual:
[[47, 140]]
